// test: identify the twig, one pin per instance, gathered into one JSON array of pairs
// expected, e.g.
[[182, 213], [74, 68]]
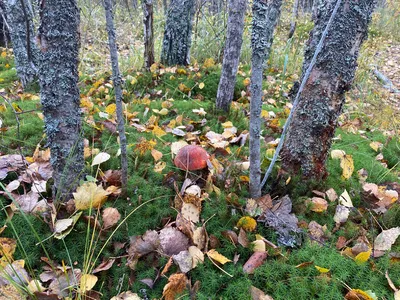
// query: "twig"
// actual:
[[302, 85], [219, 267]]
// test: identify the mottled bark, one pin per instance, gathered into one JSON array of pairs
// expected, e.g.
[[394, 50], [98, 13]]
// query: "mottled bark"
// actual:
[[118, 92], [293, 22], [233, 45], [178, 32], [265, 18], [148, 33], [4, 29], [306, 6], [216, 6], [59, 43], [310, 133], [26, 55]]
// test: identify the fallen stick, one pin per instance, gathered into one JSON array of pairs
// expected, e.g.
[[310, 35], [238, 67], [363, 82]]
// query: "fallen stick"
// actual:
[[387, 84]]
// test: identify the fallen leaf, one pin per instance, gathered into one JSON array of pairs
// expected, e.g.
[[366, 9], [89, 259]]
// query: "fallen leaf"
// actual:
[[345, 199], [242, 238], [197, 256], [257, 294], [127, 296], [184, 260], [89, 195], [111, 216], [319, 204], [87, 282], [331, 194], [217, 257], [341, 214], [322, 270], [143, 244], [176, 284], [337, 154], [258, 246], [347, 165], [363, 257], [104, 266], [190, 212], [386, 239], [173, 241], [157, 155]]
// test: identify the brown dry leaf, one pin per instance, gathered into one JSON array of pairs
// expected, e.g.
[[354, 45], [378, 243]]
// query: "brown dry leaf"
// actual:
[[257, 294], [173, 241], [176, 285], [304, 264], [89, 195], [168, 265], [160, 166], [242, 238], [376, 146], [27, 202], [231, 236], [111, 216], [200, 237], [10, 292], [318, 204], [157, 155], [341, 242], [217, 257], [256, 260], [317, 232], [7, 248], [143, 244], [105, 265], [331, 194]]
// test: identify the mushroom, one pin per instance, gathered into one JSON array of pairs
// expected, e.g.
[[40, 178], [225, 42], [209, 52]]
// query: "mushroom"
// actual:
[[191, 158]]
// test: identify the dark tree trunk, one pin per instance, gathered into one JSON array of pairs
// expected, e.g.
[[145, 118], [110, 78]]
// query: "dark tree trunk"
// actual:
[[306, 6], [59, 93], [265, 18], [293, 22], [178, 32], [26, 55], [233, 45], [4, 30], [118, 92], [148, 33], [310, 133]]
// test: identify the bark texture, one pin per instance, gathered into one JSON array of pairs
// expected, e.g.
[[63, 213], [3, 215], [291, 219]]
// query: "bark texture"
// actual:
[[233, 45], [26, 55], [178, 32], [265, 18], [118, 91], [59, 93], [314, 122], [4, 30], [147, 6]]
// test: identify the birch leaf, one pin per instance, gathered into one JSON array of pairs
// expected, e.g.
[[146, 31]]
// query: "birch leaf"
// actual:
[[217, 257], [386, 239], [347, 165], [345, 199], [322, 270], [87, 282], [362, 257], [89, 194]]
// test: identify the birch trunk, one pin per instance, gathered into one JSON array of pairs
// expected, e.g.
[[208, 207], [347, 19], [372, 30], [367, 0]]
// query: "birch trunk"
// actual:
[[233, 45], [178, 32], [148, 33], [265, 18], [26, 55], [118, 92], [59, 93], [314, 122]]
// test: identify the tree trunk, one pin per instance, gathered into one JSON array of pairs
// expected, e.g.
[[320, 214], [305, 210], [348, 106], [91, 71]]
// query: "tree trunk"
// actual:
[[26, 54], [307, 5], [59, 93], [310, 133], [265, 18], [148, 33], [118, 92], [4, 30], [293, 22], [233, 45], [178, 32]]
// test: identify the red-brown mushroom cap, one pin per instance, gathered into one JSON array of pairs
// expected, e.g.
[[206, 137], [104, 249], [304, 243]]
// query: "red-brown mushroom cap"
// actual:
[[191, 158]]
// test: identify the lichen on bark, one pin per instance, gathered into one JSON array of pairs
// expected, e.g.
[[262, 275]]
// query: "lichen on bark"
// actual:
[[178, 32], [233, 45], [265, 18], [59, 44], [315, 118], [26, 56]]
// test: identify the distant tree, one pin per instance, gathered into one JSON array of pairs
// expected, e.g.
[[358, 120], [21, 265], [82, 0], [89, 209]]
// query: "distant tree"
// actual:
[[178, 32], [233, 45], [118, 92], [147, 6], [310, 134], [265, 18], [4, 29], [59, 44], [19, 18]]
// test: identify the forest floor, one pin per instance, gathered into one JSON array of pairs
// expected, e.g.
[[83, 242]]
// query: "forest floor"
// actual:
[[197, 234]]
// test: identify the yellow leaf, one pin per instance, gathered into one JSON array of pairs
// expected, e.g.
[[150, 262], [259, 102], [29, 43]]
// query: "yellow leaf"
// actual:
[[247, 223], [134, 80], [227, 124], [110, 109], [16, 107], [160, 166], [376, 146], [347, 164], [201, 85], [154, 67], [246, 81], [270, 153], [322, 270], [157, 131], [258, 246], [217, 257], [89, 195], [362, 257], [87, 282], [183, 88], [4, 54], [7, 247], [208, 63], [244, 178]]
